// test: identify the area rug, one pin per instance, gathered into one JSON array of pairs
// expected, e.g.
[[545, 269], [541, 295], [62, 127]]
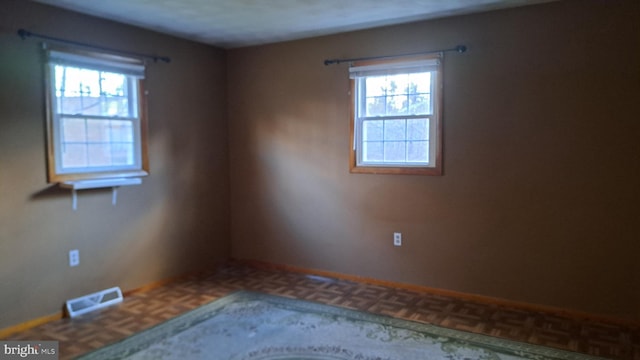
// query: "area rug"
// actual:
[[254, 326]]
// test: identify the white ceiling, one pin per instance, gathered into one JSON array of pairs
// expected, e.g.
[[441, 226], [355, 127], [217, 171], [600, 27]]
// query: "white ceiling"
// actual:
[[237, 23]]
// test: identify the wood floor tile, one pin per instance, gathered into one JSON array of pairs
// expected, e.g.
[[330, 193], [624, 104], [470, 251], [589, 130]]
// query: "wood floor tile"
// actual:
[[142, 310]]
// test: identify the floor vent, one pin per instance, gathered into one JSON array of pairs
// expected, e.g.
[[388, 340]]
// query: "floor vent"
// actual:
[[98, 300]]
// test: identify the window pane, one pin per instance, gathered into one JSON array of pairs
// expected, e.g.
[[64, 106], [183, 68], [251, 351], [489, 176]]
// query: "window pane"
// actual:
[[395, 151], [376, 86], [419, 104], [418, 151], [372, 130], [376, 106], [73, 130], [99, 154], [98, 130], [76, 82], [121, 131], [397, 105], [418, 129], [74, 155], [122, 154], [109, 154], [395, 129], [79, 105], [420, 82], [373, 151]]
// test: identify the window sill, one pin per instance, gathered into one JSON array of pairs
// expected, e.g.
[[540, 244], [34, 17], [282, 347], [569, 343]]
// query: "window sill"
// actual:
[[113, 183], [433, 171], [100, 183]]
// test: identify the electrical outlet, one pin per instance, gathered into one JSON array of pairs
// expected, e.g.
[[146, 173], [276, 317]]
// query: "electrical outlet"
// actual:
[[397, 239], [74, 257]]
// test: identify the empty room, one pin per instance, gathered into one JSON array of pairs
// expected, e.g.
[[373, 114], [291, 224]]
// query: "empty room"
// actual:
[[322, 179]]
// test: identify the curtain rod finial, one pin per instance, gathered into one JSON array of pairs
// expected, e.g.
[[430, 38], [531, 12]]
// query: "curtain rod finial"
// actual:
[[461, 48]]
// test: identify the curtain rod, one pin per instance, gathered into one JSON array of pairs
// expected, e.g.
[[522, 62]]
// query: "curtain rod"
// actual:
[[459, 48], [25, 34]]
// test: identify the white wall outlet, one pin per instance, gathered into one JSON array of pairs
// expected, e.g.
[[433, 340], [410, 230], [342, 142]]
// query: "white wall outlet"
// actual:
[[397, 239], [74, 257]]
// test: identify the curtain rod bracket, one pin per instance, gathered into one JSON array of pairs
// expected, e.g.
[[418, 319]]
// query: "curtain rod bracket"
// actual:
[[25, 34]]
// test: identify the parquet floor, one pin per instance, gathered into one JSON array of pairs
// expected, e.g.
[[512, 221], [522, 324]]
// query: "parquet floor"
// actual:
[[145, 309]]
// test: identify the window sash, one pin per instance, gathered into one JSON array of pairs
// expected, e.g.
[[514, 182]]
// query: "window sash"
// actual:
[[106, 145], [360, 151]]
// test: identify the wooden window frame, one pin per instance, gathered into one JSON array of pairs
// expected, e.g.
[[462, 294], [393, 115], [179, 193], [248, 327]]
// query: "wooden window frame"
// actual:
[[436, 169], [141, 142]]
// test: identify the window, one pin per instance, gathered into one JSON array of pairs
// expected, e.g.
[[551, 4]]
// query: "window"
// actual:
[[96, 121], [396, 109]]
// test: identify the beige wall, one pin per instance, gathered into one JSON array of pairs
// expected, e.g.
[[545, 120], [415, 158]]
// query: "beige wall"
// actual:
[[538, 202], [175, 222], [540, 193]]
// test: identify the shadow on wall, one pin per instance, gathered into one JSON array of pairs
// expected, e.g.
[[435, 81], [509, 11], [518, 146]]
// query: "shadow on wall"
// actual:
[[297, 190], [51, 191], [55, 191]]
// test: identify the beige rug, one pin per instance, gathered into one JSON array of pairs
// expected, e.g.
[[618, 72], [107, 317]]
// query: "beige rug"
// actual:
[[253, 326]]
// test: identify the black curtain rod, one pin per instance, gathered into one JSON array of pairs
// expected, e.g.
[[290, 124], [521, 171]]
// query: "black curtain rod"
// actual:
[[459, 48], [25, 34]]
